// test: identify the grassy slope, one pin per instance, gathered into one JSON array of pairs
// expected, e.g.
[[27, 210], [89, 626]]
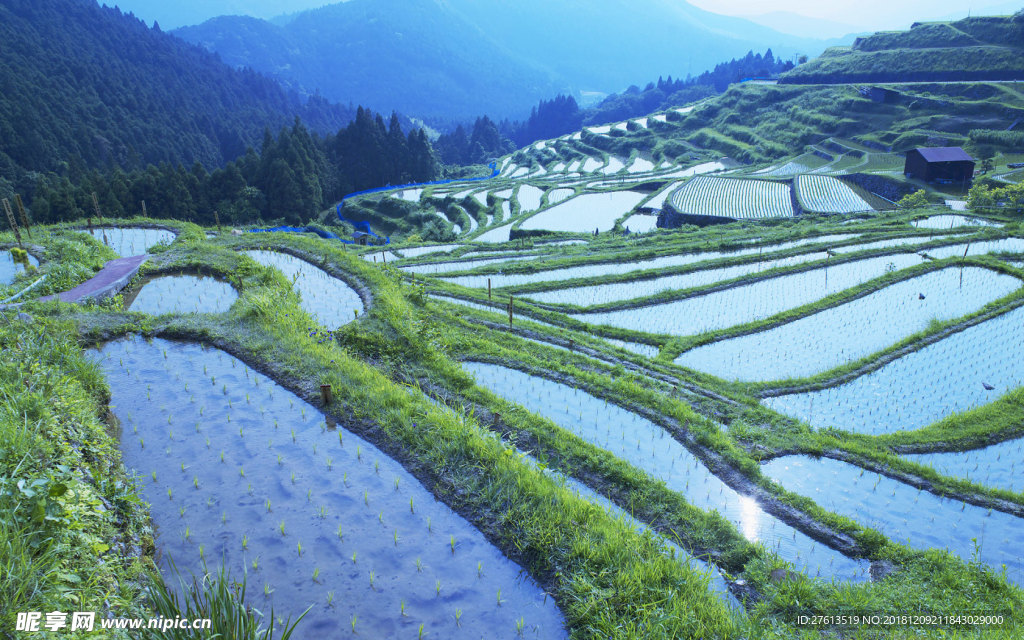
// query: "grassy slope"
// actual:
[[69, 517], [970, 49]]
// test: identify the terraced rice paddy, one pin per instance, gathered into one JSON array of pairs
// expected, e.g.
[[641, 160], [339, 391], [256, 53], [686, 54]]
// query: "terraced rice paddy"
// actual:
[[415, 252], [239, 470], [10, 268], [410, 195], [648, 447], [915, 517], [620, 291], [747, 303], [591, 165], [640, 223], [614, 166], [623, 267], [461, 265], [132, 241], [733, 198], [922, 387], [585, 213], [181, 294], [529, 198], [330, 301], [646, 350], [716, 583], [381, 256], [1000, 466], [559, 195], [851, 331], [953, 221], [696, 170], [825, 194], [498, 234], [640, 165]]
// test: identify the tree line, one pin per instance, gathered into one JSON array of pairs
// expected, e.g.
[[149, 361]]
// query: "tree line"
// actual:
[[291, 179]]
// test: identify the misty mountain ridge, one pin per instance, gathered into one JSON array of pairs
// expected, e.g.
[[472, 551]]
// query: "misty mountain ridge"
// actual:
[[461, 58]]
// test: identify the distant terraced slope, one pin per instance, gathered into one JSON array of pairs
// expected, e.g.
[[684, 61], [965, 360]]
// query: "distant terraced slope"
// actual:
[[972, 49]]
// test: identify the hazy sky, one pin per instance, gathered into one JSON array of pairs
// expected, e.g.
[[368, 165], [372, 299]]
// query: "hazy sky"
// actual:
[[865, 14], [870, 14]]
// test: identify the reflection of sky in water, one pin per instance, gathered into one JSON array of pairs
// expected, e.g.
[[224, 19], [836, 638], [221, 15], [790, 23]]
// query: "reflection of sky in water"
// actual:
[[750, 518], [9, 268], [205, 417], [132, 241], [924, 386], [866, 325], [329, 300], [183, 294], [905, 514], [999, 465], [648, 447]]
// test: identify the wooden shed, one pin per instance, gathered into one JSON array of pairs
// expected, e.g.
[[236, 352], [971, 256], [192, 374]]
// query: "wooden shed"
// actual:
[[944, 165]]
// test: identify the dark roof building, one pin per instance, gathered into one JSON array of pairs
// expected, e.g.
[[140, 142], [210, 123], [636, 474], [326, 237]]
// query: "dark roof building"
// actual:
[[945, 165]]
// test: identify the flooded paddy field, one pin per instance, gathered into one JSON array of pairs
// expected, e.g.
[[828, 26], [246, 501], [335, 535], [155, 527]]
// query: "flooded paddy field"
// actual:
[[238, 469], [330, 301], [648, 447], [181, 294]]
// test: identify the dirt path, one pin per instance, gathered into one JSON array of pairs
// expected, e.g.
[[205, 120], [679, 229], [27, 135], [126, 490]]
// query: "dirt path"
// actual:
[[113, 277]]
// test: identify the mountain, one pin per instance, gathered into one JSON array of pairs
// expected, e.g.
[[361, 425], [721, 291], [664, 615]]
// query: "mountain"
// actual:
[[416, 56], [461, 58], [981, 48], [180, 13], [86, 87]]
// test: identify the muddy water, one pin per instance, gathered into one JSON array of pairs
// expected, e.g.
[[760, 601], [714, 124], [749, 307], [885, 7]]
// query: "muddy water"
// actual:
[[225, 456]]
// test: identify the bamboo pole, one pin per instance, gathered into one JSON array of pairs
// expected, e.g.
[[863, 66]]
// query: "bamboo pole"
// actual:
[[24, 214], [12, 221]]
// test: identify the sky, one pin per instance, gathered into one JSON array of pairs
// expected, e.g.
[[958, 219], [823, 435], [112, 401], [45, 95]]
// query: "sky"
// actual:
[[863, 15]]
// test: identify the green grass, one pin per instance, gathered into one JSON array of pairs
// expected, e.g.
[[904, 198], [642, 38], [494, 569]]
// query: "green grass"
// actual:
[[608, 580]]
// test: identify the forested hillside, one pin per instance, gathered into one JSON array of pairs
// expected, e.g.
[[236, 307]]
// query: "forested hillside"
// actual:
[[294, 176], [87, 87]]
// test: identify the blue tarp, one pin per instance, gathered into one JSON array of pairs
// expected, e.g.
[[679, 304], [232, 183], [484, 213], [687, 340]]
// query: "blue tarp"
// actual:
[[363, 225], [492, 166]]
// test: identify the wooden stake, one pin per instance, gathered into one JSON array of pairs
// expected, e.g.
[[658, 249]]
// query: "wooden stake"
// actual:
[[146, 215], [216, 217], [384, 257], [326, 395], [96, 207], [10, 219], [510, 312], [488, 289], [24, 215]]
